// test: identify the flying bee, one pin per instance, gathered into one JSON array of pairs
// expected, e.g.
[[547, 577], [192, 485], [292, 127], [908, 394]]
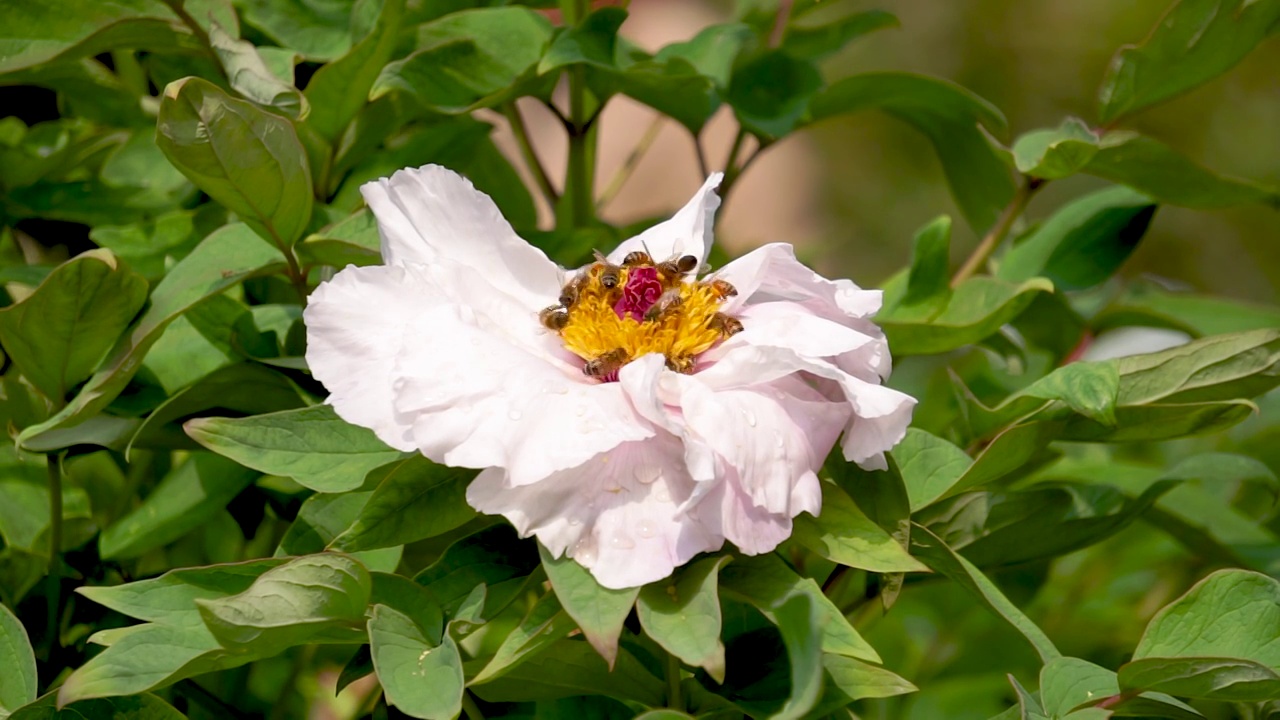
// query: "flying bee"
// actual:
[[610, 275], [722, 289], [554, 318], [676, 267], [605, 364], [667, 303], [725, 325], [637, 258]]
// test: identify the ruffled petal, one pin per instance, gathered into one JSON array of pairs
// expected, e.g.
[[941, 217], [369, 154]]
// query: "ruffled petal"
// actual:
[[880, 415], [688, 232], [478, 400], [356, 325], [616, 514], [431, 212]]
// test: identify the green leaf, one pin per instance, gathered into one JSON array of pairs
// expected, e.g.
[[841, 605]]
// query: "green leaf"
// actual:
[[1084, 243], [799, 618], [682, 614], [978, 307], [136, 707], [249, 76], [468, 59], [411, 599], [598, 610], [994, 528], [62, 331], [771, 92], [1215, 642], [186, 498], [570, 668], [766, 582], [928, 285], [155, 244], [544, 624], [18, 681], [1155, 169], [341, 88], [1147, 304], [813, 41], [949, 116], [711, 52], [170, 598], [246, 158], [1223, 367], [594, 42], [414, 499], [935, 553], [842, 533], [848, 680], [674, 88], [929, 466], [1194, 42], [316, 598], [1066, 683], [312, 445], [319, 30], [493, 557], [1052, 154], [422, 680], [352, 241], [1090, 389], [40, 32]]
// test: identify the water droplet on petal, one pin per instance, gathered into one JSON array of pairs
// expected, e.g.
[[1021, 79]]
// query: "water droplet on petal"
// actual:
[[750, 416], [574, 522], [585, 552], [777, 439], [514, 414], [662, 495], [475, 340], [621, 542], [646, 474], [645, 529], [582, 410]]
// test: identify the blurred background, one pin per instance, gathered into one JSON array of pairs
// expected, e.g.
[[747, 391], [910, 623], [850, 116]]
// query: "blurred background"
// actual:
[[827, 189]]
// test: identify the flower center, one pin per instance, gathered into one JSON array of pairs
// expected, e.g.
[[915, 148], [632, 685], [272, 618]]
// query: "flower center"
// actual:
[[610, 315]]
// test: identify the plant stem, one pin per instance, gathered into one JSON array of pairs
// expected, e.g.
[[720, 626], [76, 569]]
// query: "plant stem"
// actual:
[[53, 579], [997, 233], [578, 180], [530, 157], [674, 699], [470, 708], [703, 168], [633, 160]]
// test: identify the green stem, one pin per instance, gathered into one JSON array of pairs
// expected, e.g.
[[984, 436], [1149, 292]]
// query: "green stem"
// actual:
[[178, 8], [632, 162], [996, 235], [470, 708], [521, 133], [674, 700], [578, 180], [53, 579]]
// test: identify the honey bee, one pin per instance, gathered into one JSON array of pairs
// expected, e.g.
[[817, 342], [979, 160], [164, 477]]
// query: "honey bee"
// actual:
[[667, 303], [677, 267], [637, 258], [722, 289], [605, 364], [569, 293], [725, 325], [682, 364], [554, 318], [608, 273]]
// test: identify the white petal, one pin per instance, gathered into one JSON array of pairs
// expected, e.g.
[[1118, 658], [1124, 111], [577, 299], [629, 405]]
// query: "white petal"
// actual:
[[880, 415], [616, 514], [431, 212], [688, 232], [769, 437], [729, 511], [356, 325], [654, 393], [481, 401]]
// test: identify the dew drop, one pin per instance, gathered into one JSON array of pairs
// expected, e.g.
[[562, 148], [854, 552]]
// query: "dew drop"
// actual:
[[777, 439], [574, 522], [750, 416], [646, 475], [582, 410], [514, 414], [621, 542], [585, 552], [662, 495], [645, 529]]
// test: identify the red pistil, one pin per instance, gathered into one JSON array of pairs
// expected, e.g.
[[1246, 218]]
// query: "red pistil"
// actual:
[[639, 294]]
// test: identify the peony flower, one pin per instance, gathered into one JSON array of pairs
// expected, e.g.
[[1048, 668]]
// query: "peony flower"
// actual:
[[630, 414]]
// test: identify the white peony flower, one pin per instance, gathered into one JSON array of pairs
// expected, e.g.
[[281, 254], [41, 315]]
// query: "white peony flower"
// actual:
[[655, 417]]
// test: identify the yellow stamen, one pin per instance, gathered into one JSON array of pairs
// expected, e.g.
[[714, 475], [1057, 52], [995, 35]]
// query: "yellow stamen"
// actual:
[[680, 334]]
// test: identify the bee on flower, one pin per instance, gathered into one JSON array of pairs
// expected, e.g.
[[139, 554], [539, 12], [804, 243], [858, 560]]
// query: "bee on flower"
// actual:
[[631, 413]]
